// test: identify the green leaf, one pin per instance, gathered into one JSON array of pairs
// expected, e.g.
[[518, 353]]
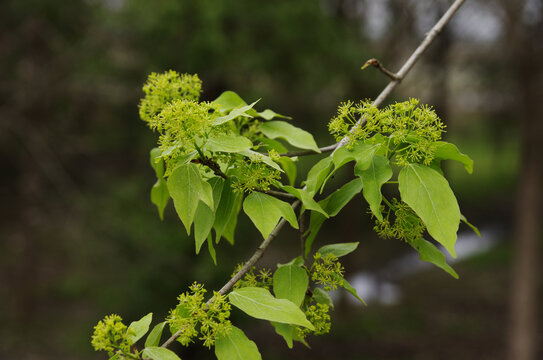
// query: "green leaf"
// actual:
[[227, 210], [203, 222], [273, 144], [153, 339], [332, 205], [183, 159], [429, 195], [338, 250], [315, 223], [160, 196], [157, 162], [204, 217], [473, 227], [206, 193], [230, 227], [211, 249], [217, 184], [429, 253], [185, 187], [229, 100], [290, 168], [341, 197], [322, 297], [228, 144], [448, 151], [137, 329], [260, 304], [159, 353], [317, 175], [345, 284], [286, 331], [270, 114], [361, 153], [290, 282], [305, 197], [373, 178], [253, 155], [297, 261], [230, 230], [265, 212], [436, 165], [236, 346], [293, 135], [242, 111]]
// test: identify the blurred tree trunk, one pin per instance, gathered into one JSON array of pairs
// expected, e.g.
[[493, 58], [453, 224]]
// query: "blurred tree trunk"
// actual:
[[526, 64]]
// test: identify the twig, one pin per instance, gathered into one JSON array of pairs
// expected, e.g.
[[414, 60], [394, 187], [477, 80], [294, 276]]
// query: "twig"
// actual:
[[172, 338], [378, 65], [212, 165], [309, 152], [430, 36], [280, 194], [415, 56]]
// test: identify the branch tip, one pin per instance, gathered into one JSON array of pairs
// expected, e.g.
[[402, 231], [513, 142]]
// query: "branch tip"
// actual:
[[377, 64]]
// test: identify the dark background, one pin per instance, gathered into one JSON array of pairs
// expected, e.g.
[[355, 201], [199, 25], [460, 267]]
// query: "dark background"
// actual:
[[80, 238]]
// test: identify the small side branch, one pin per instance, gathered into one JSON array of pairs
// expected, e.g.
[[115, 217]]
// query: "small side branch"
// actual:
[[212, 165], [325, 149], [376, 63], [284, 195], [409, 63]]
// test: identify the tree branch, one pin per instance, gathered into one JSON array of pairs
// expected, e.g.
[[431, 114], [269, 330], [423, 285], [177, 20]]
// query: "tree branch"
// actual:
[[430, 36]]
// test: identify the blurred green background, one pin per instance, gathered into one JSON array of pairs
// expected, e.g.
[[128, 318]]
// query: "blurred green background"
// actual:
[[81, 239]]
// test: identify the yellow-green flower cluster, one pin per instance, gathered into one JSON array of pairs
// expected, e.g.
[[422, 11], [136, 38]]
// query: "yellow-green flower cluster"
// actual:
[[411, 129], [110, 334], [406, 224], [327, 271], [194, 317], [254, 175], [171, 107], [162, 89], [319, 315], [184, 125], [262, 279], [348, 114]]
